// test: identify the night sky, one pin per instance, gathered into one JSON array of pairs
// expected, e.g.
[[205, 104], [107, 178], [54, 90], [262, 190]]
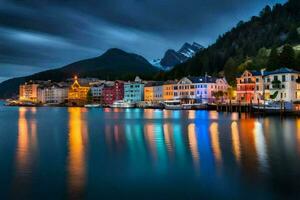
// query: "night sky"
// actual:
[[40, 34]]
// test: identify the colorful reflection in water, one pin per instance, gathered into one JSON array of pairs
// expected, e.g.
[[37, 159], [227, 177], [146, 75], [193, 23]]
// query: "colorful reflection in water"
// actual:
[[111, 152], [236, 146], [193, 144], [26, 149], [215, 143], [76, 157]]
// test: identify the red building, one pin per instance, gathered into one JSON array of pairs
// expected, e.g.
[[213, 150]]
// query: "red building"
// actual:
[[248, 85], [112, 93]]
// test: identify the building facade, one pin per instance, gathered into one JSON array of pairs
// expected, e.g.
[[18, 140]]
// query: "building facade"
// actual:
[[97, 91], [134, 91], [113, 92], [153, 92], [29, 92], [200, 89], [282, 85], [77, 94], [168, 90], [249, 87], [53, 93], [184, 91]]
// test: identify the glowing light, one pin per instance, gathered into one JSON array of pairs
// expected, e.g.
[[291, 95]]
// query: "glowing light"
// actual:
[[192, 114], [214, 133], [260, 144], [168, 138], [193, 144], [76, 159], [26, 145], [236, 146], [150, 138], [23, 141], [213, 115]]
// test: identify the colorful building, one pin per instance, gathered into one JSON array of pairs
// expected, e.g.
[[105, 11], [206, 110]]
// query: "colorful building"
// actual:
[[249, 86], [96, 91], [278, 85], [113, 92], [153, 92], [168, 90], [77, 95], [29, 92], [134, 91], [184, 90], [200, 89]]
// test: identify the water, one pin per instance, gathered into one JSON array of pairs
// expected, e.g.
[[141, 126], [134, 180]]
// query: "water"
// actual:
[[76, 153]]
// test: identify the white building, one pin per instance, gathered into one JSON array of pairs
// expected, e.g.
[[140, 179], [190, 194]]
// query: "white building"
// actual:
[[53, 94], [199, 89], [282, 85]]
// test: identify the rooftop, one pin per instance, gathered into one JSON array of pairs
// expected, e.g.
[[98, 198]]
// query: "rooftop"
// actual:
[[282, 71], [202, 79]]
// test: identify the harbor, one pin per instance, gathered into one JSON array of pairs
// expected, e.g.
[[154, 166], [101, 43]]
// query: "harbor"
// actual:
[[183, 149]]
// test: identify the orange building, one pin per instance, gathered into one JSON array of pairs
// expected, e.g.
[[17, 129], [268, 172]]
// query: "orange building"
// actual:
[[77, 95], [29, 92], [148, 93]]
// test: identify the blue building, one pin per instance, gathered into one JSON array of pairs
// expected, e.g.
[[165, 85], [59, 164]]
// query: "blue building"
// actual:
[[134, 91]]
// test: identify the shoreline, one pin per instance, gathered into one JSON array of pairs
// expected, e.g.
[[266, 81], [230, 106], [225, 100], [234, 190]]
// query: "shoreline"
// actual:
[[242, 110]]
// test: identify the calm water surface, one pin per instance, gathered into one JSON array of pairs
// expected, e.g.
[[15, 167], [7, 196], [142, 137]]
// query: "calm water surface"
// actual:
[[77, 153]]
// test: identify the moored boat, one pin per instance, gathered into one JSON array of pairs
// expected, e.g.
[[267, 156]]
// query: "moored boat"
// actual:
[[92, 105], [272, 106], [122, 104], [172, 105]]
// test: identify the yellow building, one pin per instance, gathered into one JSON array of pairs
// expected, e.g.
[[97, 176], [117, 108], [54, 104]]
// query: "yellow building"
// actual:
[[148, 93], [28, 92], [153, 92], [168, 90], [77, 95]]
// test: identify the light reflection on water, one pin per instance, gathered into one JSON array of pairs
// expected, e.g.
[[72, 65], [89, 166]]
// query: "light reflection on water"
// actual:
[[76, 169], [26, 149], [137, 147]]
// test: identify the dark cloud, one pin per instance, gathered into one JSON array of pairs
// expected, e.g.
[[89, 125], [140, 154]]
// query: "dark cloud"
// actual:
[[40, 34]]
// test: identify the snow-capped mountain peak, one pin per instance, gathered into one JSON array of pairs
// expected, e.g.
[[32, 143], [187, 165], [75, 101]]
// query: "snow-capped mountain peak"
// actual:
[[172, 57]]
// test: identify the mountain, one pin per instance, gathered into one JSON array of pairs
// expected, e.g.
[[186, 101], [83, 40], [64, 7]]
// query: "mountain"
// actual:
[[113, 64], [273, 28], [172, 57]]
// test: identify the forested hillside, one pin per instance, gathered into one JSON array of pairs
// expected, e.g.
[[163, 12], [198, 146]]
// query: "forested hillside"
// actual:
[[249, 44]]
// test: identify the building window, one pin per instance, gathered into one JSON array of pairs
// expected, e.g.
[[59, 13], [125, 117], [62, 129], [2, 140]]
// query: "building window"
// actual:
[[275, 78], [257, 80], [283, 78], [292, 78]]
